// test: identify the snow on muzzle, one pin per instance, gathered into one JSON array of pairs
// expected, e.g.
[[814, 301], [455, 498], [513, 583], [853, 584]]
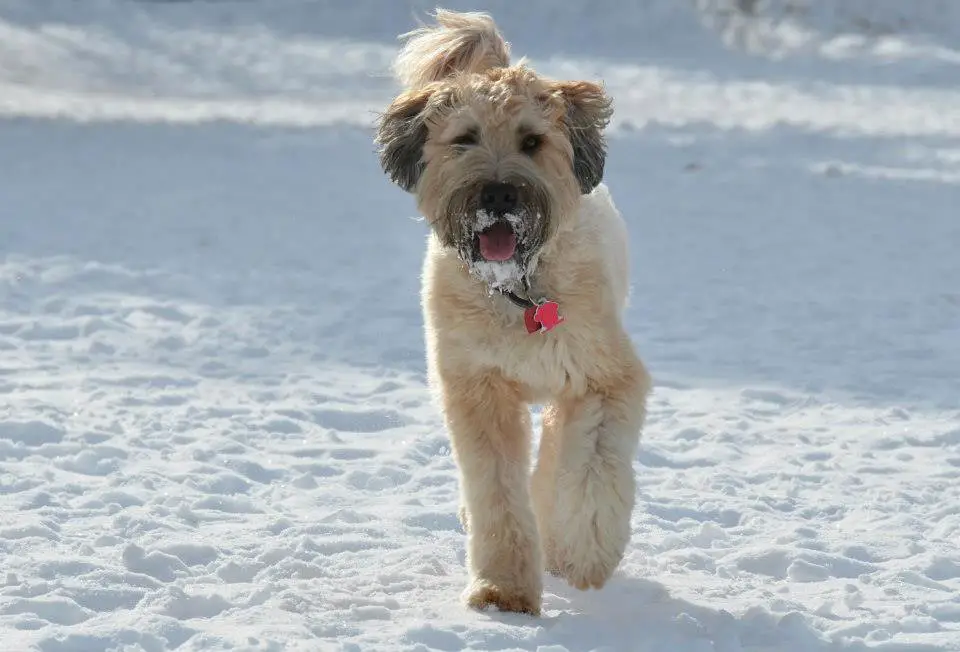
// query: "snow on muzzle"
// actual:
[[499, 225], [498, 238]]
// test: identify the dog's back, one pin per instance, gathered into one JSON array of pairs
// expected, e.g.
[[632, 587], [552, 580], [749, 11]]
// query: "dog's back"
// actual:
[[599, 213]]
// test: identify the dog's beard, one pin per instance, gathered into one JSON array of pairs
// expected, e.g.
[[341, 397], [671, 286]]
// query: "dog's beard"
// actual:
[[500, 249], [491, 240]]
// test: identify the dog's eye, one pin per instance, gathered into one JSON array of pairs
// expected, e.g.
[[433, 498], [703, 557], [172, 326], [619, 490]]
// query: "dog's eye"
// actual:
[[531, 143], [465, 140]]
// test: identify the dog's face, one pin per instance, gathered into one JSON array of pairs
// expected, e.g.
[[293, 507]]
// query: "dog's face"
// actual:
[[496, 159]]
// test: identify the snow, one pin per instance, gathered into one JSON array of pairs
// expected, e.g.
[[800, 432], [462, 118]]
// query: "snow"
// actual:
[[507, 275], [214, 428]]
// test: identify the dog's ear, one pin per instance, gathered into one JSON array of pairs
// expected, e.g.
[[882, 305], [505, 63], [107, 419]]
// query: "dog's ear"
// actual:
[[588, 112], [401, 134]]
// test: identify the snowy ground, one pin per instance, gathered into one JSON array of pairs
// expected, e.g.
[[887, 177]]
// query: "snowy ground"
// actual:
[[214, 430]]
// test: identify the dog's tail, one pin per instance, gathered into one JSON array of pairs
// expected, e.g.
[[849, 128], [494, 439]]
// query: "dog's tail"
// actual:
[[459, 42]]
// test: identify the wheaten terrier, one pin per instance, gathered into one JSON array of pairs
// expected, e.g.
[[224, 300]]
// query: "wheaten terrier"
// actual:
[[524, 284]]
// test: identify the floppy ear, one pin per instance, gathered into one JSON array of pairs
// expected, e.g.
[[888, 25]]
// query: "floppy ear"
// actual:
[[588, 112], [401, 134]]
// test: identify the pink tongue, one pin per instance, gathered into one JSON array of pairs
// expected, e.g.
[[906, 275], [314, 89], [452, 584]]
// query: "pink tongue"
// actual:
[[498, 242]]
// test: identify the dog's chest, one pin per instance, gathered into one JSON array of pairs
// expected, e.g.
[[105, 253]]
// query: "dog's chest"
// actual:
[[546, 363]]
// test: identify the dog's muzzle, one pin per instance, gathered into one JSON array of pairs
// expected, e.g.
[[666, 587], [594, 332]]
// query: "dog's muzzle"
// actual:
[[497, 241], [498, 227]]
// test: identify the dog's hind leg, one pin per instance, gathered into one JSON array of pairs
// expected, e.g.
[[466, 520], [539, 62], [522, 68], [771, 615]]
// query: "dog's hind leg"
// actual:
[[543, 484], [586, 527], [490, 434]]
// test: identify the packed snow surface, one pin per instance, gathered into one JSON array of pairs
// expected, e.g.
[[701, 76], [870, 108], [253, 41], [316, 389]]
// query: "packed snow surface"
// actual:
[[215, 432]]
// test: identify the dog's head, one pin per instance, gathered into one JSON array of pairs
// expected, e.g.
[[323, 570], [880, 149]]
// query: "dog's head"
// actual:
[[496, 155]]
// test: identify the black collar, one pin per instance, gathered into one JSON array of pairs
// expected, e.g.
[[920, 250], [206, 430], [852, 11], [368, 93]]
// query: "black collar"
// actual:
[[522, 302], [517, 300]]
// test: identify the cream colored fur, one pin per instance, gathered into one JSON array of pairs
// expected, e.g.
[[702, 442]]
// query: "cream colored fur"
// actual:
[[572, 517], [467, 41]]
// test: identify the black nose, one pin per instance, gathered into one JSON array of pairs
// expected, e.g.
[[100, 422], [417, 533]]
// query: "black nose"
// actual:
[[498, 197]]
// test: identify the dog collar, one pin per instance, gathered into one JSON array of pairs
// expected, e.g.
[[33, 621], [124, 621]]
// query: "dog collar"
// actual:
[[538, 316]]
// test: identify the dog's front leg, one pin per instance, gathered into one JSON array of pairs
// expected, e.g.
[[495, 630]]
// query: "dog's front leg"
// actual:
[[588, 455], [490, 434]]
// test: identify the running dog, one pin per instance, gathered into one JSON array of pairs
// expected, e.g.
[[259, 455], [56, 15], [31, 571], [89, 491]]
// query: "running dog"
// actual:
[[524, 284]]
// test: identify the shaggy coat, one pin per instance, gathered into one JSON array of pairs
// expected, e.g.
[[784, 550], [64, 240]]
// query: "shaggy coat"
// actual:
[[467, 118]]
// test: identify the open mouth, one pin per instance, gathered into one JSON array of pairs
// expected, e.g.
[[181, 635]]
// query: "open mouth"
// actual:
[[498, 242]]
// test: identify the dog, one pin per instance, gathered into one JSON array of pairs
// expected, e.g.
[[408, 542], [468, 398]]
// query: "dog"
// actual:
[[524, 285]]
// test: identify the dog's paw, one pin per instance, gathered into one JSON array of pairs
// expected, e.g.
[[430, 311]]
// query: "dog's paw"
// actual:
[[590, 572], [586, 552], [483, 594], [591, 528]]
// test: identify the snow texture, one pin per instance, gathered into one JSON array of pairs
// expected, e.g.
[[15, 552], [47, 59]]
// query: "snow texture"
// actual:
[[498, 275], [215, 432]]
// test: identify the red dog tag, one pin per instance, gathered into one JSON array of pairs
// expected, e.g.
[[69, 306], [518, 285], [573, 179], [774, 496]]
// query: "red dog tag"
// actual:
[[542, 318], [530, 321]]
